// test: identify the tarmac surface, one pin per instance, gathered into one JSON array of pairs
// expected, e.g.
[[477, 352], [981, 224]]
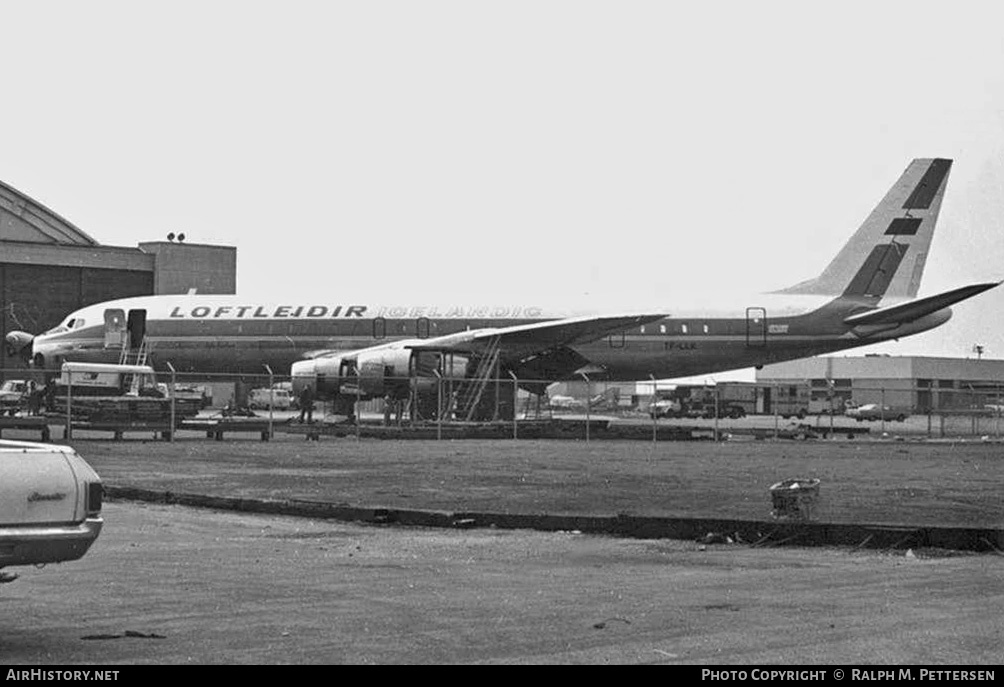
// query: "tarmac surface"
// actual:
[[169, 584], [175, 585]]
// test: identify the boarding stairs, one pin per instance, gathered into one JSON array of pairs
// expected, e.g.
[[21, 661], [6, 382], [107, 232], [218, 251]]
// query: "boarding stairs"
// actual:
[[473, 388], [127, 357]]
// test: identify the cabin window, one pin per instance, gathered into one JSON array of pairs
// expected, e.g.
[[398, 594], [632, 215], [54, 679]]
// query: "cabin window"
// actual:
[[683, 328], [662, 329], [643, 329], [706, 329]]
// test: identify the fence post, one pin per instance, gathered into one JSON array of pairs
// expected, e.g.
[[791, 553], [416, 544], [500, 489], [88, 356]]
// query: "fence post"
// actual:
[[651, 410], [882, 410], [589, 398], [439, 405], [515, 405], [716, 411], [358, 411], [174, 393], [69, 415], [774, 410], [829, 402], [271, 402]]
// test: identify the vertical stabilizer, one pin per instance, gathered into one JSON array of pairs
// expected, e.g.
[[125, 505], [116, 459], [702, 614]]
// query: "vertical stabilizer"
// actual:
[[886, 256]]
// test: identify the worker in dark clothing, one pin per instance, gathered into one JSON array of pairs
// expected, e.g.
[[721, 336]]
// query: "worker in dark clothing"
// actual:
[[306, 400], [34, 398]]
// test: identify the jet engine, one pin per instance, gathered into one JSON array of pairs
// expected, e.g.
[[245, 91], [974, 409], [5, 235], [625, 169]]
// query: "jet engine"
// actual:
[[383, 372], [392, 370], [19, 343]]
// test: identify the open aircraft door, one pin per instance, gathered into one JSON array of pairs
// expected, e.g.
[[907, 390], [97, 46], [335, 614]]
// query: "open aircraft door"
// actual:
[[348, 374], [756, 327], [116, 329], [137, 328]]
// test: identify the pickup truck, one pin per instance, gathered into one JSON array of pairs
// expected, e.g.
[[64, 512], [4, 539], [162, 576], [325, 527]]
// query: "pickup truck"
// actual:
[[50, 505]]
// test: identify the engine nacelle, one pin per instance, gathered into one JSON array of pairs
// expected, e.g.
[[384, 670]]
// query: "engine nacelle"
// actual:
[[393, 370], [384, 371]]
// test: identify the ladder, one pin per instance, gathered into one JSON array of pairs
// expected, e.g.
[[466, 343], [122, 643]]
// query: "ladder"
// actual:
[[141, 353], [474, 387]]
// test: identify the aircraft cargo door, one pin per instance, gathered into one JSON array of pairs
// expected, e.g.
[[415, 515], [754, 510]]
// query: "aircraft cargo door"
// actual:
[[756, 327]]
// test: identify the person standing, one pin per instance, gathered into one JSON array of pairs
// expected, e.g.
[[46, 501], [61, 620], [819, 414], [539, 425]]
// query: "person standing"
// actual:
[[306, 400]]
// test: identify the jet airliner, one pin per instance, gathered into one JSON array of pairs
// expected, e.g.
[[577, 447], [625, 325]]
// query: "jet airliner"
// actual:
[[867, 294]]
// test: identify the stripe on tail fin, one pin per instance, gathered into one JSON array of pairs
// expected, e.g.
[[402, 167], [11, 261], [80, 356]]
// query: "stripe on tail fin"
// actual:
[[886, 256]]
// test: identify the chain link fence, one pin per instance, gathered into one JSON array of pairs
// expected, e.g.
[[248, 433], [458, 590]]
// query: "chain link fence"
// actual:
[[770, 410]]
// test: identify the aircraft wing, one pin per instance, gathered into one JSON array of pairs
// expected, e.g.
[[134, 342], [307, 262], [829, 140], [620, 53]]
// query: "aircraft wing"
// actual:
[[537, 337], [917, 308]]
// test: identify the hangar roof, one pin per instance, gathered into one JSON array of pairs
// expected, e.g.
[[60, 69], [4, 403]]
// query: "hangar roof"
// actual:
[[24, 219]]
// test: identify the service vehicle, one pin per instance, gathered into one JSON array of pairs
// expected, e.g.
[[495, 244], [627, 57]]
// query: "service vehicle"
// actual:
[[106, 393], [665, 407], [14, 395], [50, 505], [278, 399]]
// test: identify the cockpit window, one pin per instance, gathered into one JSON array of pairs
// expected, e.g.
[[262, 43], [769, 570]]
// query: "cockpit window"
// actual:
[[69, 325]]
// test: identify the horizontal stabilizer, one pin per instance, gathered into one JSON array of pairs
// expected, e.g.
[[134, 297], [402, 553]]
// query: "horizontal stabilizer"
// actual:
[[915, 309]]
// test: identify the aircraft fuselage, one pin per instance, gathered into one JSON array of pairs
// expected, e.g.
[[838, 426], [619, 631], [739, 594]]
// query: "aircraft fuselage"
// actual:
[[222, 334]]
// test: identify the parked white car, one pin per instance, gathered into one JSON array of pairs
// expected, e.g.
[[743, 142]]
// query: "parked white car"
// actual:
[[874, 411], [50, 505]]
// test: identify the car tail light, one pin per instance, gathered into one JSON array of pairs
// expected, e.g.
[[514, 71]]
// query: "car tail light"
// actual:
[[95, 493]]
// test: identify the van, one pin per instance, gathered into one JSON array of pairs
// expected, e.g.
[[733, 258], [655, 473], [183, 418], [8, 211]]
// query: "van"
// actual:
[[280, 399]]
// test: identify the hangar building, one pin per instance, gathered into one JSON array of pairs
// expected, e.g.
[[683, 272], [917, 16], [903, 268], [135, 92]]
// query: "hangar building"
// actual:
[[916, 382], [49, 268]]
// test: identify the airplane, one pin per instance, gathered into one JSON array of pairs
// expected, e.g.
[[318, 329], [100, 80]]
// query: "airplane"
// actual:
[[867, 294]]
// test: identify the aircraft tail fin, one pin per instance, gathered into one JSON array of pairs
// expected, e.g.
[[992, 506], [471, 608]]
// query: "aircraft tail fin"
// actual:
[[886, 256]]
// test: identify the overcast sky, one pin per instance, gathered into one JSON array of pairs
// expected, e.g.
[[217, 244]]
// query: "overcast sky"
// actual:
[[590, 154]]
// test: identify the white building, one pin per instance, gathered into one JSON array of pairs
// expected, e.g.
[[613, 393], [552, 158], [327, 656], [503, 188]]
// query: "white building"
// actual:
[[920, 383]]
